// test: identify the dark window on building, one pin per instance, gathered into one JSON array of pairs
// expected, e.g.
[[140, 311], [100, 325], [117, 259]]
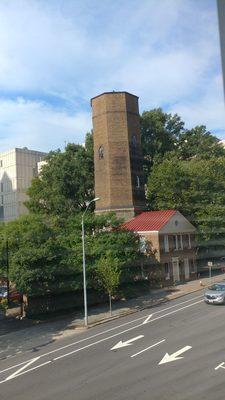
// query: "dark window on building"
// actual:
[[1, 212], [179, 242], [167, 271], [185, 239], [166, 243], [1, 187], [167, 268], [189, 241], [175, 242], [192, 265]]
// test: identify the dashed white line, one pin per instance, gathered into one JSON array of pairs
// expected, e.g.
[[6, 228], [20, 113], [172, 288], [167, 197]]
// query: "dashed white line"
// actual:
[[111, 329], [27, 362], [148, 348], [126, 330]]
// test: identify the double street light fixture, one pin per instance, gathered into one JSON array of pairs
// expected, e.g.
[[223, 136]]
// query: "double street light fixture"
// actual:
[[84, 263]]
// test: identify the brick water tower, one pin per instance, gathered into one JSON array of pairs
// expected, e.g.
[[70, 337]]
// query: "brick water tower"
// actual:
[[117, 154]]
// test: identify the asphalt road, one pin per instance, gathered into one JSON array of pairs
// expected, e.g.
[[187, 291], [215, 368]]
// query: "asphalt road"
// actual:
[[88, 367]]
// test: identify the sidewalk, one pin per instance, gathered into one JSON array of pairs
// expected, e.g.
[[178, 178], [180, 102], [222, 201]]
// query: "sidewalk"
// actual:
[[155, 297], [100, 314]]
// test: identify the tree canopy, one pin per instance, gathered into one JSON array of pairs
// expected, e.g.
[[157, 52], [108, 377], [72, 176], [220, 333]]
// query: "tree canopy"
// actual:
[[66, 182], [159, 134], [198, 142], [45, 252], [164, 134], [197, 189]]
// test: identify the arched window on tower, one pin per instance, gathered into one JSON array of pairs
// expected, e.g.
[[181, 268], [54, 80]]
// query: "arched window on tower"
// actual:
[[138, 182], [133, 145], [101, 152]]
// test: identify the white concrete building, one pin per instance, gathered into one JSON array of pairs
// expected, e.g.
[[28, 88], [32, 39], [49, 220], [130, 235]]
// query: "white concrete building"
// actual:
[[40, 165], [17, 168]]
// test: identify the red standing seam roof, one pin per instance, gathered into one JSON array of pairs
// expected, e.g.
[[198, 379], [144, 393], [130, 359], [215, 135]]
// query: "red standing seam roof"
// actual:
[[149, 221]]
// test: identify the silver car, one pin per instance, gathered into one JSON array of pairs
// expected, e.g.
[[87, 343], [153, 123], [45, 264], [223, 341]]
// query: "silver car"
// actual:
[[215, 294]]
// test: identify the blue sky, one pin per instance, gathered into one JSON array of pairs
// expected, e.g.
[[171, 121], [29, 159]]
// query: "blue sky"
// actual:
[[57, 54]]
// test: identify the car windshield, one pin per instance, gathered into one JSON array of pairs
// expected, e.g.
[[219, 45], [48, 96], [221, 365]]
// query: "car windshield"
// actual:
[[217, 287]]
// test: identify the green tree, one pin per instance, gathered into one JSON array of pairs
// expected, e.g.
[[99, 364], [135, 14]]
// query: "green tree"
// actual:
[[198, 142], [38, 260], [66, 181], [197, 189], [167, 186], [108, 275], [163, 135], [45, 252], [159, 134]]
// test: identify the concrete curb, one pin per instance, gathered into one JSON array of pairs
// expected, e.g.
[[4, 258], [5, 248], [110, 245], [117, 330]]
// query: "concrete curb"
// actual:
[[141, 308], [135, 310]]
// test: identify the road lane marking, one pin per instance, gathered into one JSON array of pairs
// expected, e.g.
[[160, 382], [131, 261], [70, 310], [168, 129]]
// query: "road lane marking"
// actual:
[[111, 329], [147, 348], [147, 319], [220, 366], [16, 373], [126, 343], [126, 330], [107, 330], [17, 365], [28, 370], [175, 356]]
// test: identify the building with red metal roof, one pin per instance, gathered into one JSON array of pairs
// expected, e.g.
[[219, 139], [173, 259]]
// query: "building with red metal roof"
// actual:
[[170, 237]]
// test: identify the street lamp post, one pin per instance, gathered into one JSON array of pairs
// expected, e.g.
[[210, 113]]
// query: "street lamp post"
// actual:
[[84, 263], [7, 269]]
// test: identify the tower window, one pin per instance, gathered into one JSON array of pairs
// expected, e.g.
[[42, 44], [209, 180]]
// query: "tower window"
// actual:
[[101, 152], [134, 141], [138, 182]]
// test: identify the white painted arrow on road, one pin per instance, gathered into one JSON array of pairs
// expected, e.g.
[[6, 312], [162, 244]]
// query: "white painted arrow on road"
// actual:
[[175, 356], [129, 342]]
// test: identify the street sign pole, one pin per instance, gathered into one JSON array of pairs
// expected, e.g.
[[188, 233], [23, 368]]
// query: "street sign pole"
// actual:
[[210, 264]]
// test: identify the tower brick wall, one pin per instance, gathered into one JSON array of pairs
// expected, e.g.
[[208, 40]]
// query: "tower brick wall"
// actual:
[[117, 154]]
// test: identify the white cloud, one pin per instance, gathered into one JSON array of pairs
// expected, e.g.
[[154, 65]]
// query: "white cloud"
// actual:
[[39, 126], [209, 110], [164, 51]]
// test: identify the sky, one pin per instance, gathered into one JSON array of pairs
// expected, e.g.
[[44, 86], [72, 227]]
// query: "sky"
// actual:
[[55, 55]]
